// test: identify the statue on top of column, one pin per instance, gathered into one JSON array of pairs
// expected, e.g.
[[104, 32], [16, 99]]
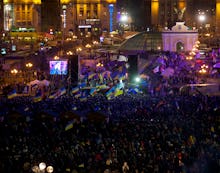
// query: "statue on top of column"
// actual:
[[179, 13]]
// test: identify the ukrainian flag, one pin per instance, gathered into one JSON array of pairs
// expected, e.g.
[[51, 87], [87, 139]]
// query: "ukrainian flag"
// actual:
[[78, 95], [69, 125], [62, 91], [75, 90], [101, 78], [121, 76], [12, 94], [93, 91], [84, 98], [100, 87], [91, 75], [110, 92], [37, 98], [52, 96], [118, 93]]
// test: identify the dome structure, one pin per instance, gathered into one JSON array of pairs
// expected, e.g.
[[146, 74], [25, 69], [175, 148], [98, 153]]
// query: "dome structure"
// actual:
[[142, 42]]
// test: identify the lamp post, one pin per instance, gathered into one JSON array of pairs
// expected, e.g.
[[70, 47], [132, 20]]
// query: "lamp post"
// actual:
[[28, 66], [14, 73], [202, 19], [42, 168], [78, 51]]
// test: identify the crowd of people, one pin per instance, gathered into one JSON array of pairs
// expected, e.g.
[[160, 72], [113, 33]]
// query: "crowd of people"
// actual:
[[130, 133], [156, 131]]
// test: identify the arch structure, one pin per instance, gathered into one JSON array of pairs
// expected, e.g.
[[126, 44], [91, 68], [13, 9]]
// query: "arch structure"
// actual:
[[179, 38]]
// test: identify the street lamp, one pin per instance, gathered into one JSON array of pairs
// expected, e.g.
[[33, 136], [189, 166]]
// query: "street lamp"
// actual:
[[28, 66], [88, 46], [56, 57], [42, 168], [69, 53], [78, 50], [14, 71], [202, 17]]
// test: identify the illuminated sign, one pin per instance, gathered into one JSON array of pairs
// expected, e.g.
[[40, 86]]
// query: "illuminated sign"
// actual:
[[84, 26]]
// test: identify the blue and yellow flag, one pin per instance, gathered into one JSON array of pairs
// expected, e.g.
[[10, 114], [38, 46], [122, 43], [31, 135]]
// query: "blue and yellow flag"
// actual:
[[75, 90], [53, 95], [13, 94], [83, 98], [92, 75], [61, 92], [69, 125], [37, 98], [93, 91], [118, 92], [78, 94]]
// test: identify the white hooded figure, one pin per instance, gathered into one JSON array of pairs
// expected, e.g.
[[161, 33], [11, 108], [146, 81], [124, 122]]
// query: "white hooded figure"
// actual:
[[125, 167]]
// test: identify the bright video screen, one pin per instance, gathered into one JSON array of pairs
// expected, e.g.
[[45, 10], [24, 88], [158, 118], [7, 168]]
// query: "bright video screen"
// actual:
[[58, 67]]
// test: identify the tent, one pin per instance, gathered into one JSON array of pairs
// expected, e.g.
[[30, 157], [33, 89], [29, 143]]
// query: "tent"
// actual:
[[44, 82], [217, 65], [34, 82], [37, 82]]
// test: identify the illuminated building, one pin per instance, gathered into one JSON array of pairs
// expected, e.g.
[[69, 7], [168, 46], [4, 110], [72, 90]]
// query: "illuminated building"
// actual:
[[22, 14], [88, 16], [1, 16], [162, 12], [22, 19], [217, 16]]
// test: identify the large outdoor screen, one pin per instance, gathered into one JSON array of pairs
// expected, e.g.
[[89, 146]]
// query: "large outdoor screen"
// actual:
[[58, 67]]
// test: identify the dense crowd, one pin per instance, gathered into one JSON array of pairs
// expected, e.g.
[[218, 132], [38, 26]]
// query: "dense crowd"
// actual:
[[156, 131], [150, 134]]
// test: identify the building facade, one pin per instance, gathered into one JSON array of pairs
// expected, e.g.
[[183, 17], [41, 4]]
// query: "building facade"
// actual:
[[69, 16], [22, 14], [1, 16], [163, 12], [89, 17], [203, 15]]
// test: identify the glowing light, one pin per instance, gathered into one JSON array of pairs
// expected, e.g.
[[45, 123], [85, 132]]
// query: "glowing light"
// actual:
[[95, 42], [56, 57], [50, 169], [69, 53], [189, 58], [182, 4], [124, 18], [14, 71], [88, 46], [42, 166], [29, 65], [202, 17], [79, 49], [137, 79], [99, 65]]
